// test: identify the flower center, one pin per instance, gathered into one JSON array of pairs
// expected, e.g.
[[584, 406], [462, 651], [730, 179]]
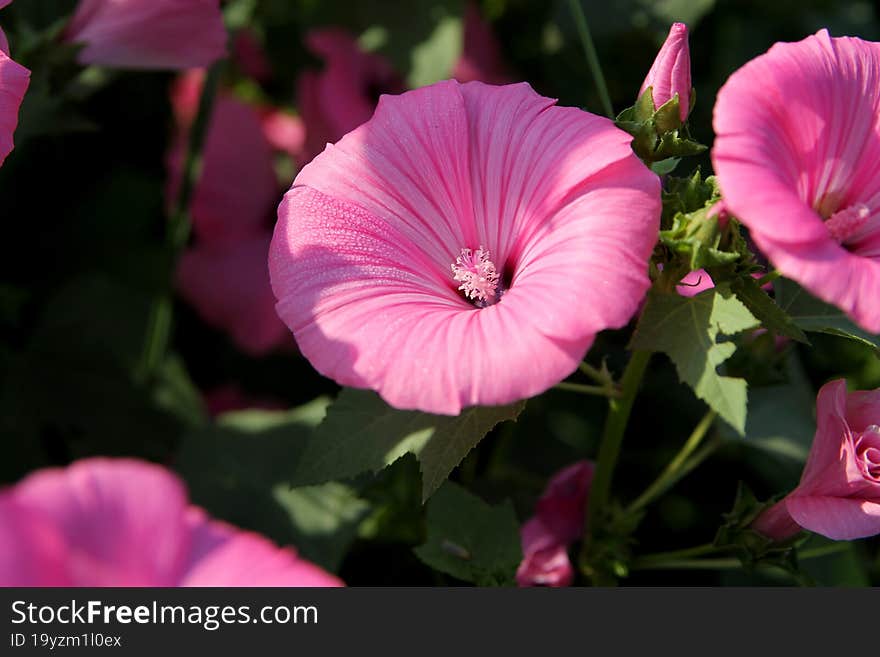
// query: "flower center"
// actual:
[[478, 277], [845, 223]]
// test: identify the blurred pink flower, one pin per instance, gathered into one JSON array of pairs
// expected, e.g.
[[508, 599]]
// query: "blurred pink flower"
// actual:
[[671, 72], [839, 492], [148, 34], [250, 56], [121, 522], [797, 155], [558, 522], [481, 56], [228, 285], [237, 189], [343, 95], [14, 80], [464, 246], [285, 132]]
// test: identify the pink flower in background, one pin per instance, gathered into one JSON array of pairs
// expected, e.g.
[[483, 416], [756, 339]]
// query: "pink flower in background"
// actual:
[[384, 250], [343, 95], [14, 80], [148, 34], [671, 72], [558, 522], [839, 492], [481, 55], [228, 285], [120, 522], [797, 156], [285, 132], [250, 56], [224, 275], [237, 190]]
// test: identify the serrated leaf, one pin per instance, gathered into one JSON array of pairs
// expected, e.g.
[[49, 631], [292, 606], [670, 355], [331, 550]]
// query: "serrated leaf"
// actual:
[[469, 539], [813, 315], [686, 329], [362, 433], [771, 316]]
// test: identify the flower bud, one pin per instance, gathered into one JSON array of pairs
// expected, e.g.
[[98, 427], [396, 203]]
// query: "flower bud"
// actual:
[[671, 72]]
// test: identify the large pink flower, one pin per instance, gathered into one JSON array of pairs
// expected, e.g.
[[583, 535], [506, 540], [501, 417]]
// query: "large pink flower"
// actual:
[[148, 34], [464, 246], [797, 155], [119, 522], [14, 80], [839, 492]]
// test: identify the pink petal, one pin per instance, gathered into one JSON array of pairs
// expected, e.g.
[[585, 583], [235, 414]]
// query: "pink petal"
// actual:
[[148, 34], [14, 80], [562, 506], [31, 549], [798, 141], [225, 556], [862, 409], [236, 149], [670, 73], [285, 132], [776, 522], [362, 252], [114, 533], [228, 285], [840, 519], [549, 567], [694, 283]]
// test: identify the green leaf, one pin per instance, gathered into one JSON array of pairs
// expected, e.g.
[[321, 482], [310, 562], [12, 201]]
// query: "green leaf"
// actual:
[[816, 316], [771, 316], [471, 540], [686, 330], [238, 470], [362, 433]]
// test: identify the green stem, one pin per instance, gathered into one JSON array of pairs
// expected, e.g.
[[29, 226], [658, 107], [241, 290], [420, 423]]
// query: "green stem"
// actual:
[[615, 427], [592, 57], [179, 225], [601, 391], [602, 377], [683, 559], [675, 470], [678, 555], [769, 277]]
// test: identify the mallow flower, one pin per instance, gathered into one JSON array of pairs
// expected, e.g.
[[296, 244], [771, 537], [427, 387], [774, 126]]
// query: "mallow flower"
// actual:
[[670, 74], [148, 34], [464, 246], [797, 155], [839, 492], [558, 522], [123, 522], [14, 80]]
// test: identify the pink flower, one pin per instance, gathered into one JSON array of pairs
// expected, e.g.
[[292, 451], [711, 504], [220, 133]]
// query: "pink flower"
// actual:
[[384, 250], [285, 132], [481, 56], [148, 34], [558, 522], [339, 98], [671, 72], [228, 285], [120, 522], [14, 80], [797, 155], [237, 190], [839, 492]]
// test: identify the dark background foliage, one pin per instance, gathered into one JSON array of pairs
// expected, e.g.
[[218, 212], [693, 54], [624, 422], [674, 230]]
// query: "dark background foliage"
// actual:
[[83, 256]]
